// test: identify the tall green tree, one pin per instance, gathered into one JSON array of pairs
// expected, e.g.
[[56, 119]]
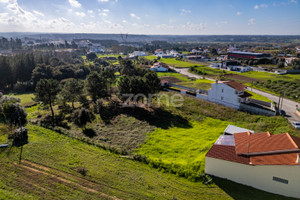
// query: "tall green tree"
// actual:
[[96, 86], [72, 90], [46, 92]]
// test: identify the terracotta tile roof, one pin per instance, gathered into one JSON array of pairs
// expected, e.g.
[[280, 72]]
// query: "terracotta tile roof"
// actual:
[[228, 153], [160, 64], [260, 149], [235, 85], [275, 159], [247, 143]]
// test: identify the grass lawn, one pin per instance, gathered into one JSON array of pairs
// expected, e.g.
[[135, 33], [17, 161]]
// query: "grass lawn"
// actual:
[[183, 80], [203, 84], [106, 173], [258, 97], [178, 144], [171, 74], [26, 99], [183, 147], [151, 57], [266, 76]]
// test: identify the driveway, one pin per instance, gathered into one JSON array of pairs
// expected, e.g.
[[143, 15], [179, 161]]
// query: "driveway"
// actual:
[[288, 105]]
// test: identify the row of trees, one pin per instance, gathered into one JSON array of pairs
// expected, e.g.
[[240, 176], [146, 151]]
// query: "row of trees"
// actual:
[[10, 44], [24, 68], [97, 86]]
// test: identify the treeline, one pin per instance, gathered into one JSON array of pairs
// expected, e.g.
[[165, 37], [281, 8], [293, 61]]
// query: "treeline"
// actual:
[[99, 86], [22, 71], [52, 46], [10, 44]]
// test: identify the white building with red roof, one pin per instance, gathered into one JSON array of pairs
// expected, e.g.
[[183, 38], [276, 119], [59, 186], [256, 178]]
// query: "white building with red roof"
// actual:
[[228, 93], [260, 160], [160, 67]]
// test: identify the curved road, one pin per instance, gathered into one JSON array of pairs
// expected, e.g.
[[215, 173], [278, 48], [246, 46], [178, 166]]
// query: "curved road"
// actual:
[[288, 105]]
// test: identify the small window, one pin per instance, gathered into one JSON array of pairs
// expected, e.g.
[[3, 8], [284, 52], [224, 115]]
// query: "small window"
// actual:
[[280, 180], [221, 98], [236, 92], [222, 90]]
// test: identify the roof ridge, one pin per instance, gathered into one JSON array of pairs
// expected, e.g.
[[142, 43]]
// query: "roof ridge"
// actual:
[[292, 141]]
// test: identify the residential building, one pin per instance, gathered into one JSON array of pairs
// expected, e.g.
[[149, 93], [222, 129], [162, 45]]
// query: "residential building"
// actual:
[[260, 160], [137, 53], [246, 55], [160, 67], [228, 93]]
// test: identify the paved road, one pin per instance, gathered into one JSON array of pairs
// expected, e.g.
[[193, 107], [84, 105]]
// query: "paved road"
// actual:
[[288, 106]]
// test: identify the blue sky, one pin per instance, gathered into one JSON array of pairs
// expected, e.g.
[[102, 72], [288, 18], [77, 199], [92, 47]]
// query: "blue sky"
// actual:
[[182, 17]]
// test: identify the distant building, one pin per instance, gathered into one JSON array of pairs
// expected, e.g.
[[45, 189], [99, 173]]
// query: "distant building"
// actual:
[[160, 67], [260, 160], [246, 55], [138, 53]]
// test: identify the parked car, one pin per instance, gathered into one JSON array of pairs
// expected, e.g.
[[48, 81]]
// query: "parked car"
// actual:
[[296, 124]]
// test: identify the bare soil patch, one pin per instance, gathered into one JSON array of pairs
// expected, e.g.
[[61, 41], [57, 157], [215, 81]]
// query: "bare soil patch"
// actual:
[[241, 78]]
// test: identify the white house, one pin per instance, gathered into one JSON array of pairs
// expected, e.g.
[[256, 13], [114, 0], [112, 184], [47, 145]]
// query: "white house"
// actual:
[[228, 93], [138, 53], [160, 67], [260, 160]]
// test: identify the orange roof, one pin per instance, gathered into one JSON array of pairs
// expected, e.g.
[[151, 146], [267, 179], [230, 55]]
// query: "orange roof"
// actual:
[[275, 159], [260, 149], [235, 85], [258, 143], [226, 152], [160, 64]]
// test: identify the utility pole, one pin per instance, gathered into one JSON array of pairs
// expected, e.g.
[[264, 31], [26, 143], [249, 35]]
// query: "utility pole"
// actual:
[[278, 105], [282, 100]]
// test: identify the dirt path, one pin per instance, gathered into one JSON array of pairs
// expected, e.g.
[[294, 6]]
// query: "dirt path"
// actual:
[[65, 178]]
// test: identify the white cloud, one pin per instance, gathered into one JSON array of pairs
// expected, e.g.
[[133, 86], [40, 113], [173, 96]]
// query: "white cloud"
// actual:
[[293, 1], [103, 1], [134, 16], [184, 11], [261, 6], [103, 12], [124, 21], [8, 1], [90, 12], [80, 14], [251, 21], [238, 13], [74, 3], [38, 13]]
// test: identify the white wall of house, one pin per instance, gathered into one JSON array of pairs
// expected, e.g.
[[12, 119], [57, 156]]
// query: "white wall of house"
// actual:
[[259, 176], [159, 69], [223, 94]]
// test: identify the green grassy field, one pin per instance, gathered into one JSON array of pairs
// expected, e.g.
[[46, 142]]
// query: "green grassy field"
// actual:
[[258, 97], [266, 76], [183, 80], [203, 84], [178, 144], [184, 148], [26, 99]]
